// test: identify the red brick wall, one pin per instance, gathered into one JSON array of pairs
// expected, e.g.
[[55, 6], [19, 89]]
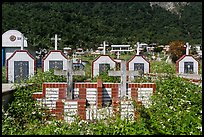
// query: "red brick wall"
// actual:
[[59, 111], [99, 93]]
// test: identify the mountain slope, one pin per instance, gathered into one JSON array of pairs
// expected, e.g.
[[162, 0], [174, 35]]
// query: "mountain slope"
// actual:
[[87, 24]]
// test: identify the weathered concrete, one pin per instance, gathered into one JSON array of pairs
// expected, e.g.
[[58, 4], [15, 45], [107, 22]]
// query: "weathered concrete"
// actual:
[[7, 94]]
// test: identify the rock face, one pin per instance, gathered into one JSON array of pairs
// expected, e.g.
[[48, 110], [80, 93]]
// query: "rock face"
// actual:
[[173, 7]]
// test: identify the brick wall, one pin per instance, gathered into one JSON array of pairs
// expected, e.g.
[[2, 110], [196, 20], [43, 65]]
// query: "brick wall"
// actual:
[[57, 93]]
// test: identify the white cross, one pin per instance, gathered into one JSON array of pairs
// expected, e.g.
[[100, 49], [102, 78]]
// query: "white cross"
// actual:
[[123, 73], [138, 48], [55, 40], [104, 48], [69, 73], [22, 41], [187, 48]]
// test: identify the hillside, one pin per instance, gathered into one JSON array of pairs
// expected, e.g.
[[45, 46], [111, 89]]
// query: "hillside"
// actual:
[[87, 24]]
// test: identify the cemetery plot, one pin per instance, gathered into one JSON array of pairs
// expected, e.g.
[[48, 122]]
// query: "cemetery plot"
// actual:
[[138, 63], [20, 66], [102, 63], [123, 73], [54, 59], [187, 64], [69, 74]]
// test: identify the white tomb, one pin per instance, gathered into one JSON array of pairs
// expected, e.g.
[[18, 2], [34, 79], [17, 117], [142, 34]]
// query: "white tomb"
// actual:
[[20, 66], [187, 64], [54, 59], [102, 62], [11, 41], [138, 62]]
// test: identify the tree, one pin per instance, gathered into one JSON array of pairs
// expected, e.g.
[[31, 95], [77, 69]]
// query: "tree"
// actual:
[[176, 50]]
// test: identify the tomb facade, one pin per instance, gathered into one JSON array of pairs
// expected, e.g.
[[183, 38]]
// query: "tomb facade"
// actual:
[[20, 66]]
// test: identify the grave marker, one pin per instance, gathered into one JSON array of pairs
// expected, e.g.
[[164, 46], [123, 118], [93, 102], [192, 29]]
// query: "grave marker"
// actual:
[[104, 48], [187, 64], [102, 62], [138, 48], [54, 59], [123, 73], [55, 39], [20, 66], [69, 73], [187, 48]]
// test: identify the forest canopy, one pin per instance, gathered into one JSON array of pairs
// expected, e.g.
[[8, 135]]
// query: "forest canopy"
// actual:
[[88, 24]]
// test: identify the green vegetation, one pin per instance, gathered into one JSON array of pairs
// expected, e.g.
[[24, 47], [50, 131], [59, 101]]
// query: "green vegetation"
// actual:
[[87, 24], [176, 110], [162, 67], [3, 76]]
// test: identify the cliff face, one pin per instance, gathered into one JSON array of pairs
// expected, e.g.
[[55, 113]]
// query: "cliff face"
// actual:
[[173, 7]]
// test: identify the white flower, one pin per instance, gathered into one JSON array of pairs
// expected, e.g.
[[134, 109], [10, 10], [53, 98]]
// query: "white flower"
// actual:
[[201, 111], [171, 107], [200, 128]]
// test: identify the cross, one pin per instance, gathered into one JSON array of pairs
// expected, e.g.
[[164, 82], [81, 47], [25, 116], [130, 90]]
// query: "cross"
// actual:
[[138, 48], [69, 73], [187, 48], [123, 73], [22, 41], [104, 48], [55, 40]]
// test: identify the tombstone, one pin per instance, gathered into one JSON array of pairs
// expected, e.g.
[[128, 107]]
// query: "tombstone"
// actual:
[[138, 63], [123, 74], [20, 66], [55, 39], [104, 48], [187, 64], [54, 59], [11, 41], [69, 74], [102, 63]]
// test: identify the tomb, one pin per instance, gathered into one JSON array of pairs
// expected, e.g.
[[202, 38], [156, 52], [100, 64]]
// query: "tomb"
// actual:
[[187, 64], [138, 62], [54, 59], [20, 66], [102, 63], [11, 41], [93, 100]]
